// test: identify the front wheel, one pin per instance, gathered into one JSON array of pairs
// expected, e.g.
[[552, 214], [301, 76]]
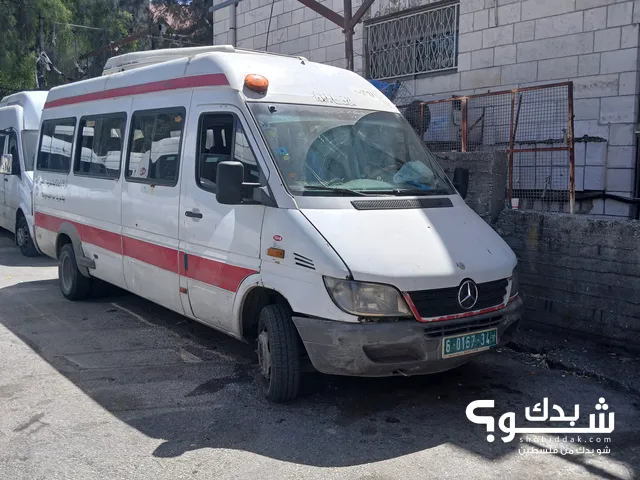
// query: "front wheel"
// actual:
[[278, 354], [73, 284], [24, 240]]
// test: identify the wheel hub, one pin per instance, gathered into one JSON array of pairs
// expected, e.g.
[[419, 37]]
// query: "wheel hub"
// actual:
[[66, 273], [22, 236], [264, 354]]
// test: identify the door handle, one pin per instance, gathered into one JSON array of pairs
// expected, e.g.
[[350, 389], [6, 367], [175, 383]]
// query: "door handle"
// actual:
[[6, 179], [192, 214]]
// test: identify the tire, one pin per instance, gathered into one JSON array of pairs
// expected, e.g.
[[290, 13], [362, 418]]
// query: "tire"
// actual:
[[24, 240], [73, 284], [278, 354]]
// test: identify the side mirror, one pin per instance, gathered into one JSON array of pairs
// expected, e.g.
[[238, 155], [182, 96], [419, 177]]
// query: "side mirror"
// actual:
[[230, 182], [461, 181], [6, 163]]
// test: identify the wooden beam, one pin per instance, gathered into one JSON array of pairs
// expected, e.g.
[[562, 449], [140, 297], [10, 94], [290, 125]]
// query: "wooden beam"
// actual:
[[326, 12], [360, 12]]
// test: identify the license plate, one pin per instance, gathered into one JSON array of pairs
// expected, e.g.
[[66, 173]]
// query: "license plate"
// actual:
[[469, 343]]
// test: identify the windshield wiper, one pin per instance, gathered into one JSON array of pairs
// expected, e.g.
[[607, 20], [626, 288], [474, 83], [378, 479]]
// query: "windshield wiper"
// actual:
[[410, 192], [343, 191]]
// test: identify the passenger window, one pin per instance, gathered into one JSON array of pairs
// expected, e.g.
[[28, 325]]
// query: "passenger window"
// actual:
[[56, 144], [99, 148], [221, 138], [2, 142], [13, 151], [154, 152]]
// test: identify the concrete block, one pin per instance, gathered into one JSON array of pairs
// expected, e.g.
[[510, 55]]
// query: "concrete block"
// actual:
[[297, 16], [494, 37], [466, 23], [595, 19], [524, 31], [293, 32], [590, 128], [618, 110], [482, 59], [589, 64], [622, 134], [470, 42], [620, 179], [318, 55], [578, 44], [628, 83], [439, 84], [468, 6], [246, 31], [532, 9], [619, 14], [309, 14], [629, 36], [509, 13], [616, 208], [278, 36], [314, 41], [487, 77], [559, 25], [606, 40], [619, 61], [318, 25], [335, 52], [558, 68], [596, 86], [588, 109], [260, 41], [636, 11], [579, 154], [283, 21], [305, 29], [278, 8], [464, 62], [481, 20], [261, 27], [621, 157], [584, 4], [245, 43], [331, 37], [505, 55], [519, 73], [593, 178]]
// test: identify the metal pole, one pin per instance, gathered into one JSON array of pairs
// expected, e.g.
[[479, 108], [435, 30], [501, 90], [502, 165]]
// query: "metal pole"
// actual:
[[511, 142], [232, 23], [572, 158], [465, 124], [348, 35]]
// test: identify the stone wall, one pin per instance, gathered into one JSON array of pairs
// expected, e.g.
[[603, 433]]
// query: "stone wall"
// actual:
[[487, 180], [502, 44], [578, 274]]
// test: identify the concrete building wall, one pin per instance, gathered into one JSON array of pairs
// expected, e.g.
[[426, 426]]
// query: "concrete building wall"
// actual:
[[503, 44], [578, 274]]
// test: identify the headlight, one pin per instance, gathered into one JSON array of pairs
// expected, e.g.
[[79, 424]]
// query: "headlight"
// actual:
[[367, 299], [515, 283]]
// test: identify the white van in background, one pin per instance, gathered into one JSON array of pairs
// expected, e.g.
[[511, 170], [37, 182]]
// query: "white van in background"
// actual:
[[19, 123], [281, 201]]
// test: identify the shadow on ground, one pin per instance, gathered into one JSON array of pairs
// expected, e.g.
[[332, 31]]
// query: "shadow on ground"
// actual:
[[193, 388], [18, 260]]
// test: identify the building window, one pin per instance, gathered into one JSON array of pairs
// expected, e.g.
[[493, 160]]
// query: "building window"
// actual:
[[412, 42]]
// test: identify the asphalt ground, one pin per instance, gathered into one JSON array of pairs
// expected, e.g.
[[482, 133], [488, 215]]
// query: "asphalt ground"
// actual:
[[118, 388]]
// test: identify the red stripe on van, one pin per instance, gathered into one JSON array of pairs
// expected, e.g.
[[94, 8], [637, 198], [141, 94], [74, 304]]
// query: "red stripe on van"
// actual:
[[218, 274], [95, 236], [215, 273], [195, 81], [162, 257]]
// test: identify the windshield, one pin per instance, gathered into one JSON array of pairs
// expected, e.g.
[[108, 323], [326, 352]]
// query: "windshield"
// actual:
[[29, 145], [341, 151]]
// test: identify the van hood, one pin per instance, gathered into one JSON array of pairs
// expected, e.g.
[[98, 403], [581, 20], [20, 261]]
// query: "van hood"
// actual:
[[415, 249]]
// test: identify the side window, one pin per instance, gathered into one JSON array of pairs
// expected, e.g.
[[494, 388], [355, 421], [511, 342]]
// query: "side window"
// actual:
[[221, 138], [56, 143], [13, 150], [154, 147], [99, 147], [3, 139]]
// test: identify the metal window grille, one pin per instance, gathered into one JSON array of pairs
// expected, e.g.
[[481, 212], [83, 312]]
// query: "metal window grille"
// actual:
[[423, 41]]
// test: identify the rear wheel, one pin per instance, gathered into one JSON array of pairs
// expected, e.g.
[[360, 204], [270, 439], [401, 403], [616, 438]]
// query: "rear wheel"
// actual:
[[24, 240], [73, 284], [278, 354]]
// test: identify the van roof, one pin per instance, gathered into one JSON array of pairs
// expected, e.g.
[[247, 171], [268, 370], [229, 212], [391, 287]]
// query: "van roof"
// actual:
[[291, 79], [32, 103]]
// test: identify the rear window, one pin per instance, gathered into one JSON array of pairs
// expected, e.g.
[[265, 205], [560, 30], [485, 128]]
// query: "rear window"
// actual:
[[56, 145]]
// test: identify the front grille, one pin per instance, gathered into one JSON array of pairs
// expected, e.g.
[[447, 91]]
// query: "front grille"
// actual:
[[444, 301], [455, 327]]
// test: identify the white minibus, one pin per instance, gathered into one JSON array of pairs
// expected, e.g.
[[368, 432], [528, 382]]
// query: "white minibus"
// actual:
[[19, 122], [283, 202]]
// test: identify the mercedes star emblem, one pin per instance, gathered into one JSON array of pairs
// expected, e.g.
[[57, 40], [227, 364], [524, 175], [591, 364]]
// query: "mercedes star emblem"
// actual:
[[468, 294]]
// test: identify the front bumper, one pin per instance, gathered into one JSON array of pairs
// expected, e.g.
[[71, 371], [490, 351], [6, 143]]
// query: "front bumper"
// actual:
[[400, 348]]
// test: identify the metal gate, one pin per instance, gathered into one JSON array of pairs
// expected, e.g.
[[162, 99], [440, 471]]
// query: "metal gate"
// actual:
[[534, 125]]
